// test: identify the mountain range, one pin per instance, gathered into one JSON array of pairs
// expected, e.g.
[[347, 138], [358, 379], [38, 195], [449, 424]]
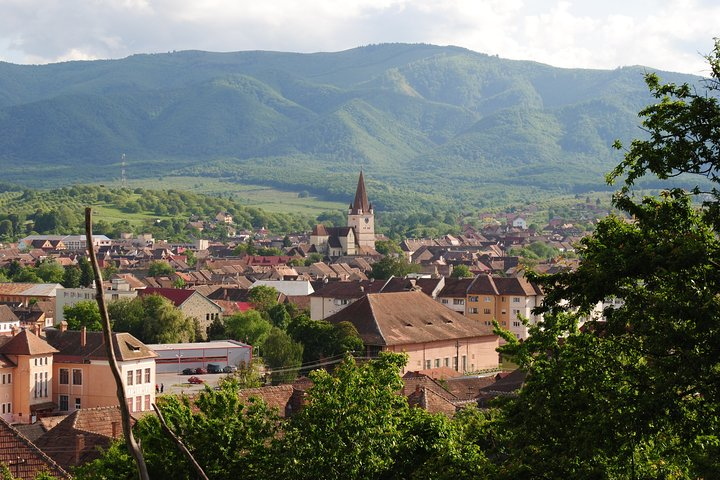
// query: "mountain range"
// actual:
[[430, 125]]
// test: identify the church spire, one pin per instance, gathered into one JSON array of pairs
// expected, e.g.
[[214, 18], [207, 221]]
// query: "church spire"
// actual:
[[361, 204]]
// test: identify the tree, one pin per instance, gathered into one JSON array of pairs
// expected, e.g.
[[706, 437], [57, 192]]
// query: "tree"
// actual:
[[393, 267], [160, 268], [50, 271], [263, 297], [86, 273], [71, 277], [461, 271], [386, 247], [279, 316], [227, 436], [281, 352], [313, 258], [634, 395], [350, 427], [152, 319], [249, 327], [83, 314]]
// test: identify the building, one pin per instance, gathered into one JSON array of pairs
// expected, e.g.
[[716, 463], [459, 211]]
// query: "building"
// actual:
[[27, 293], [67, 297], [81, 375], [357, 238], [76, 243], [191, 303], [23, 458], [26, 373], [432, 335], [176, 357]]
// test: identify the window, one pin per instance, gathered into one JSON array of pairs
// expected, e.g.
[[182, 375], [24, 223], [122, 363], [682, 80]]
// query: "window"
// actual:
[[473, 298], [458, 301], [428, 364], [437, 363], [516, 299], [486, 311], [138, 377], [130, 404], [9, 377], [488, 299], [502, 299], [64, 376], [130, 377], [516, 324], [473, 310], [147, 375], [3, 379], [35, 390], [464, 363], [45, 392], [63, 403], [77, 376], [77, 404], [9, 408], [138, 404], [444, 300], [503, 312], [447, 362], [455, 364], [147, 402], [3, 408]]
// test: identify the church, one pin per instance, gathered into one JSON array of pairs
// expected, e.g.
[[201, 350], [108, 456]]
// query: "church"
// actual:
[[357, 238]]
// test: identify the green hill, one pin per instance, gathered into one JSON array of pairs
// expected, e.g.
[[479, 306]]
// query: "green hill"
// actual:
[[441, 126]]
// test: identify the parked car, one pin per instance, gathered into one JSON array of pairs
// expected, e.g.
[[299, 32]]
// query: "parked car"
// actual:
[[214, 368], [200, 371], [196, 380], [189, 371], [229, 369]]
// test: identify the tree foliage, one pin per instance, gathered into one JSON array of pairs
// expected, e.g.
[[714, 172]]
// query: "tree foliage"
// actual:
[[634, 395], [83, 314], [152, 319]]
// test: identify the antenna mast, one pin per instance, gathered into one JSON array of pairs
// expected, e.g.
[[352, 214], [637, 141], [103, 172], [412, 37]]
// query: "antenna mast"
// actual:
[[123, 179]]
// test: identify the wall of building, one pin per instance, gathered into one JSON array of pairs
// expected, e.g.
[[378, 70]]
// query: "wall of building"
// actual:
[[474, 354], [176, 358], [321, 308]]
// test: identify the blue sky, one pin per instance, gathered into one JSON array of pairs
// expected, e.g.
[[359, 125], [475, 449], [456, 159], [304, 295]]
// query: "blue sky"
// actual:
[[661, 34]]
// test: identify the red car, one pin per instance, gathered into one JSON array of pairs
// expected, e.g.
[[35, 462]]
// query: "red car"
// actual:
[[196, 380]]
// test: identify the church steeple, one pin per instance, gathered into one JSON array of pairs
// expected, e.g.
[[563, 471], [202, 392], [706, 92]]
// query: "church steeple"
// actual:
[[361, 204], [361, 217]]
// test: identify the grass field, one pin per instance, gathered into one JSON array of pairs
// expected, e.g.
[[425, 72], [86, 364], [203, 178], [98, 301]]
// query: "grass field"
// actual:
[[267, 198]]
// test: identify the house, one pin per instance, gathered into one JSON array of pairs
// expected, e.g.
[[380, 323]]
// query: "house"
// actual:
[[23, 458], [27, 293], [68, 297], [81, 436], [431, 334], [191, 303], [70, 242], [9, 322], [26, 373], [505, 299], [81, 376]]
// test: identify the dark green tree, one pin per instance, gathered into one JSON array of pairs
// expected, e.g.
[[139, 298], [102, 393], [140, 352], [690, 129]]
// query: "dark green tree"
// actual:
[[283, 355], [160, 268], [249, 327], [83, 314], [636, 394], [71, 277], [391, 266], [461, 271], [263, 297]]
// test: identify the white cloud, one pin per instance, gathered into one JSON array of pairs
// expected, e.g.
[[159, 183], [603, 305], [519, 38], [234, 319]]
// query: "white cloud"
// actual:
[[666, 34]]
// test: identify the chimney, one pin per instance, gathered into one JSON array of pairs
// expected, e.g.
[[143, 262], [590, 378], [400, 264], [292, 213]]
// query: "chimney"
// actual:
[[14, 330], [115, 429], [37, 329], [83, 336], [63, 326], [79, 447]]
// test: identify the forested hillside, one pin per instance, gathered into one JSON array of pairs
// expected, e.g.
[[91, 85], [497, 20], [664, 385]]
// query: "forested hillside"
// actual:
[[431, 125]]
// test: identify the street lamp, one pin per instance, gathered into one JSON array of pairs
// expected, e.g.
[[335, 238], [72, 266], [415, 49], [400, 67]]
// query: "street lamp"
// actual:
[[179, 356]]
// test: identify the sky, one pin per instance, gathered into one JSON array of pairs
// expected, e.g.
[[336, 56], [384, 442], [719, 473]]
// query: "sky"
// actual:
[[670, 35]]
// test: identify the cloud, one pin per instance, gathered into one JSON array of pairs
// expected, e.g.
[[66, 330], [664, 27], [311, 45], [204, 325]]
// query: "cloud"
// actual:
[[666, 34]]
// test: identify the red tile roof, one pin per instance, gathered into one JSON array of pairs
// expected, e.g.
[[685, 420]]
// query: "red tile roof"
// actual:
[[14, 446], [26, 343], [177, 296]]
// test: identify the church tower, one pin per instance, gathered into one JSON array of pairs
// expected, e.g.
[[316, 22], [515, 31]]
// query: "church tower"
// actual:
[[361, 216]]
